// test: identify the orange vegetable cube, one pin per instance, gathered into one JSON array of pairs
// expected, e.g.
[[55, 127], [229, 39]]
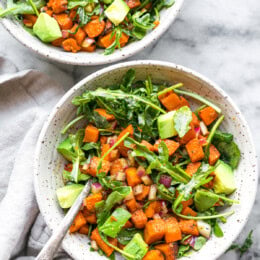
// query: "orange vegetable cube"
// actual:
[[195, 150], [173, 231], [84, 230], [78, 222], [153, 255], [195, 121], [144, 194], [94, 162], [131, 205], [191, 134], [154, 231], [94, 28], [139, 219], [152, 208], [208, 115], [91, 134], [149, 146], [189, 227], [192, 168], [64, 21], [213, 154], [91, 200], [71, 44], [170, 250], [58, 6], [128, 224], [103, 112], [171, 102], [189, 212], [132, 177], [107, 40], [118, 165], [171, 145]]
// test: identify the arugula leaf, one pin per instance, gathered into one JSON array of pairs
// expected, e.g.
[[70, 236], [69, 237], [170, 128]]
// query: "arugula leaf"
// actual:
[[126, 234], [244, 247], [183, 249], [165, 193], [91, 146], [230, 153], [182, 118], [222, 137], [115, 222], [117, 33], [74, 3], [104, 207], [65, 148], [21, 7], [143, 20], [217, 230], [128, 80], [160, 4]]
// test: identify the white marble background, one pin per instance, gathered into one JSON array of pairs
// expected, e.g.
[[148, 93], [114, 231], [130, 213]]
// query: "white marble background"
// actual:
[[220, 39]]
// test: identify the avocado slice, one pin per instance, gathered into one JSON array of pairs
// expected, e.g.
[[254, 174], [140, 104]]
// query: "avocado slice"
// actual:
[[165, 125], [224, 179], [117, 11], [68, 194], [204, 200], [47, 28], [136, 247]]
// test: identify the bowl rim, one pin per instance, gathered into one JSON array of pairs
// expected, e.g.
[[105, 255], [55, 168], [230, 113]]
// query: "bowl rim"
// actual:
[[151, 63], [50, 52]]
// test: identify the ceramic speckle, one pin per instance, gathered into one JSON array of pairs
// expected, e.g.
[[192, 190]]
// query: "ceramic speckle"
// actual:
[[167, 16], [49, 164]]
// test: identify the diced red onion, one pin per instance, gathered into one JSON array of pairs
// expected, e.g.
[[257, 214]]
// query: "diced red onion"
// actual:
[[65, 34], [113, 125], [164, 209], [140, 171], [152, 193], [101, 9], [203, 141], [94, 245], [190, 241], [147, 180], [203, 128], [112, 140], [120, 176], [156, 216], [138, 189], [197, 131], [166, 180], [96, 187], [124, 163]]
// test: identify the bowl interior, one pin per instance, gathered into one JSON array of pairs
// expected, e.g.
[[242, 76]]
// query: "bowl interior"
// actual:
[[49, 164], [167, 16]]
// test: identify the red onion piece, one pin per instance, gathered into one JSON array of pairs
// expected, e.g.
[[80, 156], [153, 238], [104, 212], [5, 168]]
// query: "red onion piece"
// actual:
[[65, 34], [152, 193], [87, 42], [146, 180], [203, 128], [113, 125], [112, 140], [138, 189], [120, 176], [166, 180], [190, 241], [140, 171], [96, 187], [101, 9]]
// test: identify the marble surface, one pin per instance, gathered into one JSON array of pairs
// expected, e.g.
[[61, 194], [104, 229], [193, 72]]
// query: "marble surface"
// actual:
[[220, 39]]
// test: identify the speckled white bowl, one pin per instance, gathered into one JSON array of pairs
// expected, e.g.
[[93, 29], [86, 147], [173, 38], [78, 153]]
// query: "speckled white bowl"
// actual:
[[96, 58], [49, 164]]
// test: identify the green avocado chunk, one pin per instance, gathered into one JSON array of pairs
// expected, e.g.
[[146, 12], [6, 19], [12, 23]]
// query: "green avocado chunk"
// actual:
[[47, 28], [204, 200], [136, 247], [117, 11], [224, 179], [68, 194], [166, 125]]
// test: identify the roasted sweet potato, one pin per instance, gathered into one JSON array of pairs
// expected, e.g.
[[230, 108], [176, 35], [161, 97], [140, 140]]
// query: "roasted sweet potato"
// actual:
[[187, 211], [139, 219], [94, 28], [84, 230], [208, 115], [153, 255], [195, 150], [104, 113], [58, 6], [91, 134], [118, 165], [189, 227], [170, 250], [172, 230], [132, 177], [78, 222], [171, 145], [148, 145], [192, 168], [131, 205], [144, 194], [91, 200], [64, 21], [107, 40], [154, 231], [70, 44], [152, 208], [94, 162], [213, 154]]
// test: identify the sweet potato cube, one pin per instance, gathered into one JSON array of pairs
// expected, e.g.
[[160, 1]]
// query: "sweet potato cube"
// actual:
[[191, 134], [171, 145], [84, 230], [91, 134], [208, 115], [154, 231], [132, 177], [192, 168], [195, 150], [213, 154], [139, 219], [171, 101], [152, 208], [144, 194], [101, 244], [93, 165], [131, 205], [91, 200], [195, 121], [78, 222], [103, 112], [189, 227], [170, 250], [154, 255], [173, 231], [148, 145]]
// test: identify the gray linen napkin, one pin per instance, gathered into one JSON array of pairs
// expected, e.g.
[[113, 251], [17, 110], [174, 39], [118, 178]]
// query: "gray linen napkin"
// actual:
[[25, 100]]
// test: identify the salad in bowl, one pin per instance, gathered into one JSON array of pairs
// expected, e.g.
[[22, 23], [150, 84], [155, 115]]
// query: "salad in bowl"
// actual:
[[162, 171], [84, 25]]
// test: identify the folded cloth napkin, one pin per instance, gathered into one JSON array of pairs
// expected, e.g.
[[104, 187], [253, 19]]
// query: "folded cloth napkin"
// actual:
[[25, 99]]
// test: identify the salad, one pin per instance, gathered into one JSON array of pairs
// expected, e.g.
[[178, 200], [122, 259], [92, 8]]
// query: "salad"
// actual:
[[161, 169], [84, 25]]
